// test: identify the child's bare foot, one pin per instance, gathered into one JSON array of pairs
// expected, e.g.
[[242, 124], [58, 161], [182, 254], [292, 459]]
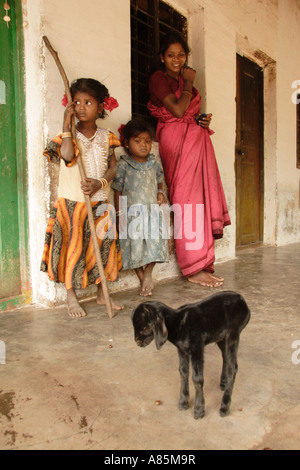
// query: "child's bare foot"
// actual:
[[101, 300], [206, 279], [140, 274], [147, 284], [73, 306]]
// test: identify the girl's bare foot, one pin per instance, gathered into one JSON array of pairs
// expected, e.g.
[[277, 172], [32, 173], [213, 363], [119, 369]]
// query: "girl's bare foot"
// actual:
[[73, 306], [206, 279], [101, 300]]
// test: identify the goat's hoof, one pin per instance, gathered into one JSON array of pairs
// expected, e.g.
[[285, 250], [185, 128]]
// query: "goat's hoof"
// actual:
[[224, 411], [199, 414], [222, 386], [183, 405]]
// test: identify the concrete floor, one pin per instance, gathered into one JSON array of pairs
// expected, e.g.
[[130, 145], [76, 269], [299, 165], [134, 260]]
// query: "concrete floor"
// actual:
[[64, 387]]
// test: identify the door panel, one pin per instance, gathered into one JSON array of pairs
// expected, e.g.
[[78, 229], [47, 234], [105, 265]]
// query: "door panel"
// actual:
[[10, 279], [249, 153]]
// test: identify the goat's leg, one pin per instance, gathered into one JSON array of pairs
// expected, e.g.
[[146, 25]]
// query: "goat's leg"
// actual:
[[184, 362], [223, 379], [198, 365], [231, 349]]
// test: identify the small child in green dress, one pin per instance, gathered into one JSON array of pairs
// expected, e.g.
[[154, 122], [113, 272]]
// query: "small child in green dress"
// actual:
[[139, 182]]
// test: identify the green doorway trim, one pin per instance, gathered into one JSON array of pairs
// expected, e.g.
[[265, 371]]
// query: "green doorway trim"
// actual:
[[21, 157]]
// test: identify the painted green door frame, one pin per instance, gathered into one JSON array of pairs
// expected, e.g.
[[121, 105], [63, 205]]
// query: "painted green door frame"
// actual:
[[14, 266]]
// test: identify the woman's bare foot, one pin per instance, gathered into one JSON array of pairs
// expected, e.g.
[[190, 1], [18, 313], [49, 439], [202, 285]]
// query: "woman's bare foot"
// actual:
[[218, 278], [101, 300], [206, 279], [73, 306], [147, 284]]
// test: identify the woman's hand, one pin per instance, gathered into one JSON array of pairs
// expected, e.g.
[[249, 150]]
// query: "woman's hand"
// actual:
[[90, 186], [178, 106], [188, 74], [205, 121]]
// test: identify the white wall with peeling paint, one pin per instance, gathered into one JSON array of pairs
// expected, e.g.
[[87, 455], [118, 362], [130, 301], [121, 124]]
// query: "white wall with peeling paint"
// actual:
[[93, 39]]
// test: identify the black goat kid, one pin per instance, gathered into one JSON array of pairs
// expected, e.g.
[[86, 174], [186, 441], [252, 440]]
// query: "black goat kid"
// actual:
[[217, 319]]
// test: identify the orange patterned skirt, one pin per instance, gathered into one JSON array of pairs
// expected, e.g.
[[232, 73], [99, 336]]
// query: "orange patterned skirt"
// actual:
[[69, 255]]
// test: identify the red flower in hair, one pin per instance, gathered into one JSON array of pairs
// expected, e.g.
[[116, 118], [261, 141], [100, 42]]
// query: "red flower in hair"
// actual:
[[110, 103], [64, 101]]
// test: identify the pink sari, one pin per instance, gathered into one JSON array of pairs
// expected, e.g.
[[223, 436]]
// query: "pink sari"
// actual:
[[194, 185]]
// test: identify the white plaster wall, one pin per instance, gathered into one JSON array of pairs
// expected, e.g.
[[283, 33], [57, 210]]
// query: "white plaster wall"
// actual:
[[93, 39], [35, 119], [89, 44], [288, 70], [267, 31], [220, 90]]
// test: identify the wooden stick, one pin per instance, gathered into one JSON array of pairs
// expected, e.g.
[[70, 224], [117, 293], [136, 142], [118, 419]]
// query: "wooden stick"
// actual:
[[82, 174]]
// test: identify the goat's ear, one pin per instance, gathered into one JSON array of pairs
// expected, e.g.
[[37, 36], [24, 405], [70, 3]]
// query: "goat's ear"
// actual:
[[160, 332]]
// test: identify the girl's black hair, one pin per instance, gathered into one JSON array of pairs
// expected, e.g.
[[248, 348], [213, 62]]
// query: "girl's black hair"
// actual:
[[135, 127], [94, 88], [173, 38]]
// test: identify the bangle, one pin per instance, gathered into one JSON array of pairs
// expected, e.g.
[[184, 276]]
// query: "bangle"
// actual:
[[66, 134], [104, 183], [188, 92]]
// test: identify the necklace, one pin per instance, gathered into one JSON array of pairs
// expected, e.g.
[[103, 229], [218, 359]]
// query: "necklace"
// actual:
[[88, 138], [93, 136]]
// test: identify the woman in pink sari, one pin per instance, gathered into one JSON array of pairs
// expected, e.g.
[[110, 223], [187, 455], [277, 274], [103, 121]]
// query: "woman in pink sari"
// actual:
[[191, 170]]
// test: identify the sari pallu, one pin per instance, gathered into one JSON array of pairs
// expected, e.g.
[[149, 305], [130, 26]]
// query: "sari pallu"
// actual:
[[193, 179]]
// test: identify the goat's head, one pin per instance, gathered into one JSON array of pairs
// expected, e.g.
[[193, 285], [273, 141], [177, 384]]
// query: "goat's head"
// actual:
[[148, 323]]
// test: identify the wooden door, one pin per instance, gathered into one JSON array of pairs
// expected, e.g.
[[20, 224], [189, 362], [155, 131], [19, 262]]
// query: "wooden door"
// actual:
[[249, 153], [10, 277]]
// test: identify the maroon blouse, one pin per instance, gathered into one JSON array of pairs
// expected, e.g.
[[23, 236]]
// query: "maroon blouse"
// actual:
[[160, 86]]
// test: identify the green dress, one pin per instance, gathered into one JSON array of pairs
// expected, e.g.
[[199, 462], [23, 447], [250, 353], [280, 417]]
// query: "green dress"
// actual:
[[145, 238]]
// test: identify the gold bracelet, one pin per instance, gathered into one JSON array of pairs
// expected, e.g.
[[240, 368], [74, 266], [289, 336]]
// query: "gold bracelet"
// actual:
[[188, 92], [66, 134]]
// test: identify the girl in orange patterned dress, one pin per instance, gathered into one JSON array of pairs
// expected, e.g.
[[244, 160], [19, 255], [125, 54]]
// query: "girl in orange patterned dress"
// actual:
[[68, 255]]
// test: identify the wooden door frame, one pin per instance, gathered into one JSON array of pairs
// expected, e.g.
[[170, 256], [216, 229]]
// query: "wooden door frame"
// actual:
[[261, 151], [21, 158]]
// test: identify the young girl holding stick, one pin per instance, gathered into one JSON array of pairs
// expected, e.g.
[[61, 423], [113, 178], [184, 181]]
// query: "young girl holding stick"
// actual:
[[68, 255], [140, 179]]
